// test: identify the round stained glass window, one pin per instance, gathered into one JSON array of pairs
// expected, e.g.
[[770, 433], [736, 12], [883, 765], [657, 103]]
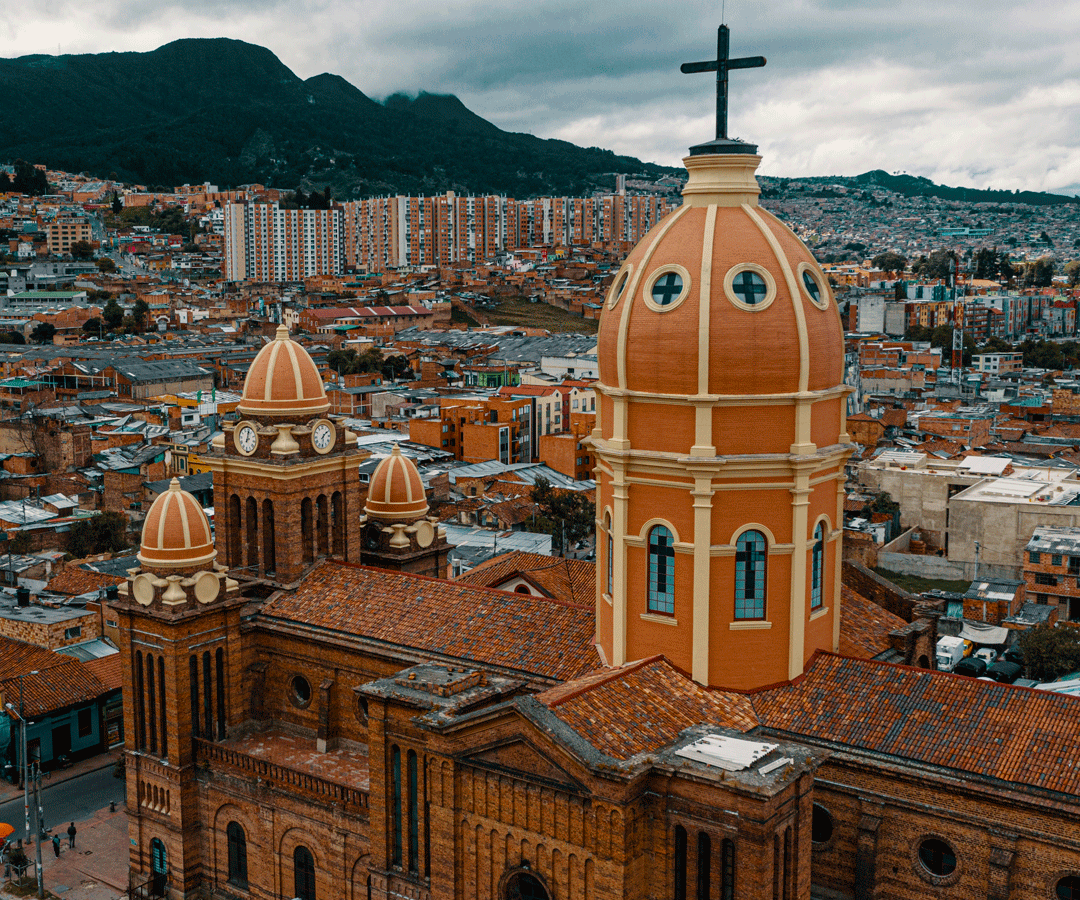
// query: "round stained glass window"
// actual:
[[667, 288], [617, 289], [300, 691], [750, 288], [937, 857], [811, 287]]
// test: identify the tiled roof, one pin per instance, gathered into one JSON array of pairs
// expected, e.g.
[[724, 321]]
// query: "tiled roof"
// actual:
[[107, 670], [535, 635], [61, 680], [75, 580], [642, 707], [864, 626], [994, 730], [573, 580]]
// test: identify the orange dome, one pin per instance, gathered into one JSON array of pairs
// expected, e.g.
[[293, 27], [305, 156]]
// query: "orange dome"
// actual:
[[396, 493], [283, 381], [720, 298], [176, 533]]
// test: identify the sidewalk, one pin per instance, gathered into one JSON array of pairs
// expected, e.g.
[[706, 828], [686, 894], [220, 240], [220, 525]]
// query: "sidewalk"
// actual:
[[97, 869], [108, 758]]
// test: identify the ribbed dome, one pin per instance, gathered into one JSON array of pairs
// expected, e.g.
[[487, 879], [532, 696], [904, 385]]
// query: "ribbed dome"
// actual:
[[720, 298], [283, 381], [176, 533], [396, 493]]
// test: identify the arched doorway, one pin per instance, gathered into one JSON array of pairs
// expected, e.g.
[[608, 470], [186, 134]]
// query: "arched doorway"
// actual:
[[524, 886], [159, 868]]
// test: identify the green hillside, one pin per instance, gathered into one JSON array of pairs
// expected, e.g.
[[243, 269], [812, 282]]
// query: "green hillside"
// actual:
[[231, 113]]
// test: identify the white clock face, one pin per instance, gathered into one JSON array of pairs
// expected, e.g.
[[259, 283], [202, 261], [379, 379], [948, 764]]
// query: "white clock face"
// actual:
[[246, 440], [322, 437]]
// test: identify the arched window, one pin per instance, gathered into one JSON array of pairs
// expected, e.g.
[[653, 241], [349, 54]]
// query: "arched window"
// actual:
[[395, 803], [680, 863], [1069, 888], [704, 863], [661, 571], [237, 841], [414, 813], [610, 555], [727, 876], [817, 565], [523, 886], [159, 867], [750, 559], [303, 874], [269, 550]]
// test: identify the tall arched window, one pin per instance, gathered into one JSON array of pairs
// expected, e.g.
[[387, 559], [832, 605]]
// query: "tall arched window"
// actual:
[[303, 874], [680, 863], [610, 555], [237, 841], [661, 571], [414, 812], [395, 804], [727, 876], [159, 867], [704, 866], [817, 565], [750, 558]]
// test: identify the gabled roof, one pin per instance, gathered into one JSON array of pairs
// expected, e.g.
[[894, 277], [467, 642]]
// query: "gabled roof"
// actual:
[[998, 731], [642, 707], [864, 626], [538, 636], [61, 681], [75, 580], [573, 580]]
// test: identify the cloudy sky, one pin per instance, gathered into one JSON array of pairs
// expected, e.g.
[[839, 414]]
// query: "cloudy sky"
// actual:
[[983, 94]]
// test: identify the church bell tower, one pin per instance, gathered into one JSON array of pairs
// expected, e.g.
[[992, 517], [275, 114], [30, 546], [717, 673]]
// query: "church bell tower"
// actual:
[[286, 476]]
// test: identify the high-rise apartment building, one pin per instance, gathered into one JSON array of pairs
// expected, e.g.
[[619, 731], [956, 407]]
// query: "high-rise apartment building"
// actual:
[[264, 242]]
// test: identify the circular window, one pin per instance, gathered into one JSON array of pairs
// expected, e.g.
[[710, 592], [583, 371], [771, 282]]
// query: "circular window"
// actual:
[[937, 857], [617, 289], [750, 286], [300, 691], [821, 825], [813, 286], [666, 288], [1068, 888]]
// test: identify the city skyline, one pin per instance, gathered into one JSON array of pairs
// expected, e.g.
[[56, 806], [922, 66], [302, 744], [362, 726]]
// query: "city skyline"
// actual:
[[981, 101]]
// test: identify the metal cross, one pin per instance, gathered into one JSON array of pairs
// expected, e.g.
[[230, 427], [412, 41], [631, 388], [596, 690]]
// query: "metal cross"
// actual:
[[748, 285], [721, 65], [667, 288]]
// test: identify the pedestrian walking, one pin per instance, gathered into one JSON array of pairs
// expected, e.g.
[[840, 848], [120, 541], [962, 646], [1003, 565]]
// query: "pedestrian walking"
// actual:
[[56, 845], [71, 836]]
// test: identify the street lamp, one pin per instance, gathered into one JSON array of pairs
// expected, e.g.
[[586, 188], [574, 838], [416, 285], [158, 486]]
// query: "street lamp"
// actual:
[[23, 760]]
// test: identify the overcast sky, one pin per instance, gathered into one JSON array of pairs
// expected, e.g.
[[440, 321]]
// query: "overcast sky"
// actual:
[[983, 94]]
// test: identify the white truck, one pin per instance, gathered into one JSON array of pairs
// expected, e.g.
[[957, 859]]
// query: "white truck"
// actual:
[[950, 650]]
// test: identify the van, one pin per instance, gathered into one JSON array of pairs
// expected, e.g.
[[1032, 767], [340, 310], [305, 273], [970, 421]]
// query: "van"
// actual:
[[950, 650]]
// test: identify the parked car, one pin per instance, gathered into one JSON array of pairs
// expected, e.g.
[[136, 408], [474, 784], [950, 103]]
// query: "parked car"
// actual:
[[1015, 654], [1004, 672], [971, 667], [987, 654]]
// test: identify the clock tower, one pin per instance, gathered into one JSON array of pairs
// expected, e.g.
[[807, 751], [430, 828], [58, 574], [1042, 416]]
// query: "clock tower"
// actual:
[[286, 479]]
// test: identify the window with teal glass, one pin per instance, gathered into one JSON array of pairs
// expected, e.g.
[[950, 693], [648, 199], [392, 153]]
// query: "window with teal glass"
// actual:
[[817, 565], [661, 571], [750, 558]]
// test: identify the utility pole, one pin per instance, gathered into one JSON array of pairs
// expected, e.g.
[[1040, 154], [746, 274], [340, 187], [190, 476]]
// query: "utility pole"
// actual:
[[40, 829]]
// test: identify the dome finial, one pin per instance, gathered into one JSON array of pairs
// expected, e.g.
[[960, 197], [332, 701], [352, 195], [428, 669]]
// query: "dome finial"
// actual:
[[174, 485], [282, 333]]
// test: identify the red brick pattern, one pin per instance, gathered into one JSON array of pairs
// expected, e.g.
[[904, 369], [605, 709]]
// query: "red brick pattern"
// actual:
[[572, 580]]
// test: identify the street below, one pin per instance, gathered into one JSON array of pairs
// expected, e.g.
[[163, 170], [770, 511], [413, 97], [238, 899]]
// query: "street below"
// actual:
[[67, 801]]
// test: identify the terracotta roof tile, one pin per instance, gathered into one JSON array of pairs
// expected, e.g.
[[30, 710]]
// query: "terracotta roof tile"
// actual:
[[642, 707], [74, 580], [107, 670], [998, 731], [62, 681], [573, 580], [535, 635], [864, 626]]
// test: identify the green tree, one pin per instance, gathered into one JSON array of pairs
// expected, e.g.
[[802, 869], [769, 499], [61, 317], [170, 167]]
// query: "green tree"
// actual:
[[568, 516], [1050, 651], [113, 314], [94, 326], [344, 362], [889, 262], [104, 533], [20, 544], [937, 265], [43, 333], [139, 312], [395, 367], [12, 337], [106, 264], [117, 204], [82, 250]]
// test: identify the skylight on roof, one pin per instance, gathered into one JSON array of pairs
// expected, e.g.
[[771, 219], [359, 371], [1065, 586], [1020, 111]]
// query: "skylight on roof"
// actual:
[[731, 754]]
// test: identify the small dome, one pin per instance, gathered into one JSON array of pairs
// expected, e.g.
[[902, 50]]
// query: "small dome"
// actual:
[[176, 533], [283, 381], [720, 298], [396, 493]]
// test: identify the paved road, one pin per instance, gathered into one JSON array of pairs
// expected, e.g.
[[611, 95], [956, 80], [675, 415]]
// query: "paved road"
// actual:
[[72, 800]]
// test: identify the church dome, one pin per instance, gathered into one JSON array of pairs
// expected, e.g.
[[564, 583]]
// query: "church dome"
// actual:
[[283, 381], [720, 298], [396, 493], [176, 533]]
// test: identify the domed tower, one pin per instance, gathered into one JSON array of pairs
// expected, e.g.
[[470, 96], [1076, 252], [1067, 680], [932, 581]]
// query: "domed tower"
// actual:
[[397, 531], [179, 626], [721, 440], [286, 476]]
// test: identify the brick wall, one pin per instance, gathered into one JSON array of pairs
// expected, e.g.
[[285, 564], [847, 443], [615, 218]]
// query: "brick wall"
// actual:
[[873, 587]]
